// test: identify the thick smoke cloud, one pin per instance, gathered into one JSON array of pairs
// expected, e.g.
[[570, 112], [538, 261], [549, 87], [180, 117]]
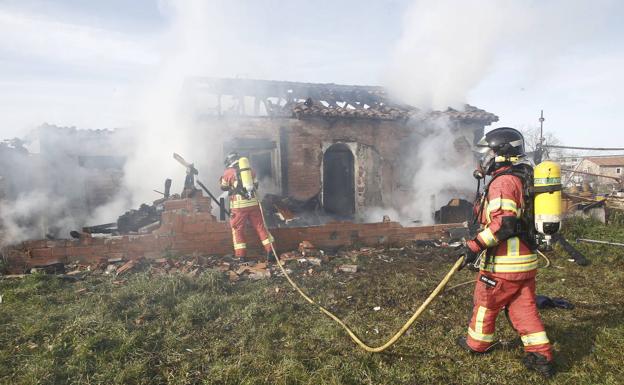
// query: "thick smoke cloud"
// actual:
[[202, 39], [442, 164], [448, 48], [191, 46], [45, 179], [436, 166], [22, 218]]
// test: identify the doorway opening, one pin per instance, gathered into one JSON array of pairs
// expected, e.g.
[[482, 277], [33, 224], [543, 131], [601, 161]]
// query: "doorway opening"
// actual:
[[338, 180]]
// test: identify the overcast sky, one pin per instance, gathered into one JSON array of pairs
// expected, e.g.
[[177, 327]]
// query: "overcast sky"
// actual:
[[85, 63]]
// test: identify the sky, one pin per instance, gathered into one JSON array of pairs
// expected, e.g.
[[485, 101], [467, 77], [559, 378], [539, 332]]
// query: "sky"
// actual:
[[88, 63]]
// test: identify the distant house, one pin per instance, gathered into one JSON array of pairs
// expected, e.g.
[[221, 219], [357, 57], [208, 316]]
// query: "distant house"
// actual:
[[609, 165], [570, 163]]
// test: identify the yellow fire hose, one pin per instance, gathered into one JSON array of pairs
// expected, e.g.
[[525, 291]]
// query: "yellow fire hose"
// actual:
[[353, 336]]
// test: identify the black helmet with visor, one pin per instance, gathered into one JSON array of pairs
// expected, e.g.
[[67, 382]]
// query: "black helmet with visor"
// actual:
[[501, 146]]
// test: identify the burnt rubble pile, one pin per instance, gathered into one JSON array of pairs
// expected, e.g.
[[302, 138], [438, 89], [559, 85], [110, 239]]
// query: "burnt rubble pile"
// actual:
[[283, 211], [456, 211], [306, 260], [140, 220]]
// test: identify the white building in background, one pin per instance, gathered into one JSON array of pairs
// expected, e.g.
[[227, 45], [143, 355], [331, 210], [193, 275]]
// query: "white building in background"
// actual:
[[609, 165], [570, 163], [574, 169]]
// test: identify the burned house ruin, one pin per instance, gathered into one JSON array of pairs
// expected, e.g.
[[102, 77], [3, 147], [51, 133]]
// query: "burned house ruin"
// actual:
[[340, 149], [343, 145]]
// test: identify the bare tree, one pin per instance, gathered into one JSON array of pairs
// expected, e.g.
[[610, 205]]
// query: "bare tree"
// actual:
[[532, 140]]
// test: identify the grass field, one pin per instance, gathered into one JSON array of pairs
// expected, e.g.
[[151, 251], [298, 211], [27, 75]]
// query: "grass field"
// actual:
[[175, 329]]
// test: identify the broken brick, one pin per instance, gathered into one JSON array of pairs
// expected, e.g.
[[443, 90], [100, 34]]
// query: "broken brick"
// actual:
[[315, 261], [126, 266], [288, 256], [223, 267], [348, 268], [257, 274], [305, 245], [232, 276]]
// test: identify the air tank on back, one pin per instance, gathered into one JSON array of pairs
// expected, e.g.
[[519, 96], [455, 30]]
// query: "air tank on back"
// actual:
[[547, 188], [246, 176]]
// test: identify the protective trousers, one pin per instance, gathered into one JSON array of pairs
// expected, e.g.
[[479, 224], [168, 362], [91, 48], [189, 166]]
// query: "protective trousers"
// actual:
[[492, 294], [238, 218]]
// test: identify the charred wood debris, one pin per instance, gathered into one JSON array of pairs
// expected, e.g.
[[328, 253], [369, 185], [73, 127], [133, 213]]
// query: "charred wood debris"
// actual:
[[280, 212]]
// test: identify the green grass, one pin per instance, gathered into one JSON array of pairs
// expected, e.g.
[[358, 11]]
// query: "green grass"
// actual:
[[205, 330]]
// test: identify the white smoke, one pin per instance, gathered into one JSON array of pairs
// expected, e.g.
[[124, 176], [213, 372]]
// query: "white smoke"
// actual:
[[442, 163], [43, 184], [203, 38], [27, 216], [446, 50], [193, 45]]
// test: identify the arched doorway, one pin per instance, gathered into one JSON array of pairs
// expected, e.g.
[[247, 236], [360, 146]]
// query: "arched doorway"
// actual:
[[338, 180]]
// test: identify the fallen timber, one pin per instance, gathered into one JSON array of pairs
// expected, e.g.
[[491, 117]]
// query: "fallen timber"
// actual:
[[187, 228]]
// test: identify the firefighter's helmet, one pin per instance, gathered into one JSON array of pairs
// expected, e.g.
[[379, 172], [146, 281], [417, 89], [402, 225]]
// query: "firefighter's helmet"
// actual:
[[501, 146], [231, 159]]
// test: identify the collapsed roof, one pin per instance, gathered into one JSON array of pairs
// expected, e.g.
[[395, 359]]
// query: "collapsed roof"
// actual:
[[302, 100]]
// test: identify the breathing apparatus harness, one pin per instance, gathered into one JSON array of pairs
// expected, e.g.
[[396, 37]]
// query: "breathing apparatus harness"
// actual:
[[244, 185], [522, 227]]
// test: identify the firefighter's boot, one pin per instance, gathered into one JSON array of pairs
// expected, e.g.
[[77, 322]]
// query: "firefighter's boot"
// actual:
[[462, 343], [538, 363]]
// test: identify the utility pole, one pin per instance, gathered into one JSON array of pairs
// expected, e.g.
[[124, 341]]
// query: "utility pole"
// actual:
[[539, 150], [541, 120]]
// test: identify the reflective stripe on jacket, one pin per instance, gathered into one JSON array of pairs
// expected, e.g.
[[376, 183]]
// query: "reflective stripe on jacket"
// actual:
[[237, 201]]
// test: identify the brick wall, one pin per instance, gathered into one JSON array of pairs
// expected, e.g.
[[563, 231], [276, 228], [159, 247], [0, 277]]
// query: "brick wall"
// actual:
[[187, 228], [375, 158], [378, 152]]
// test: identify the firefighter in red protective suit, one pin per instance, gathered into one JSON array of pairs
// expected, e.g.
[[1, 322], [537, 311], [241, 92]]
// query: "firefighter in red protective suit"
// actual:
[[506, 280], [244, 206]]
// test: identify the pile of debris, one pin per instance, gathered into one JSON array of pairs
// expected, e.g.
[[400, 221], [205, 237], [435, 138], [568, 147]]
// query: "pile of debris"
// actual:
[[191, 266], [309, 255], [283, 211], [143, 220], [302, 260]]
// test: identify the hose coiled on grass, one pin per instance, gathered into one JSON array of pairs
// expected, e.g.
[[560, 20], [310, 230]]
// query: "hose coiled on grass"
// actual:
[[354, 337]]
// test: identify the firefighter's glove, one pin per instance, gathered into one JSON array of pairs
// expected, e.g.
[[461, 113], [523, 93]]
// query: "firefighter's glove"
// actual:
[[469, 255]]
